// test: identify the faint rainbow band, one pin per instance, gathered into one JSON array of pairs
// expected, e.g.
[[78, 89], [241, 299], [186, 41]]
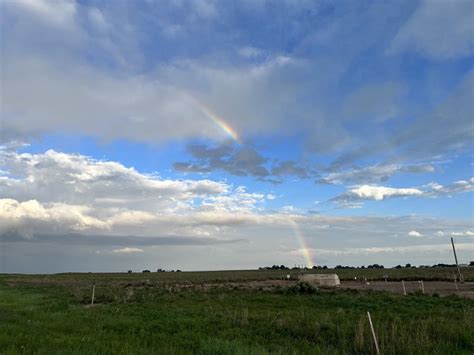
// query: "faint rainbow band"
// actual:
[[304, 248], [219, 121]]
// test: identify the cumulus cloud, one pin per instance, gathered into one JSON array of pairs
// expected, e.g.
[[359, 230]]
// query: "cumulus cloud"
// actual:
[[31, 217], [354, 196], [377, 193], [415, 234], [58, 193], [76, 179]]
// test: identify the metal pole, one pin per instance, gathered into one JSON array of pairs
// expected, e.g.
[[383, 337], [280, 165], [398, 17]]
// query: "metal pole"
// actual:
[[373, 333], [461, 278]]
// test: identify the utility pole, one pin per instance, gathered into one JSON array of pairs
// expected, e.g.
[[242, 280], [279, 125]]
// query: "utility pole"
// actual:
[[461, 278]]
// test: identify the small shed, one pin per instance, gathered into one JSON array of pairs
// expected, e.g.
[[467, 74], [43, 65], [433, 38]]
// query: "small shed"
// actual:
[[324, 280]]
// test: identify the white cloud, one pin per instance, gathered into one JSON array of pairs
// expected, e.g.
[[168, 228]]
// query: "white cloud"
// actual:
[[440, 233], [354, 196], [77, 179], [374, 173], [415, 234], [31, 217], [463, 234], [127, 250], [55, 193], [411, 249], [379, 193], [436, 190]]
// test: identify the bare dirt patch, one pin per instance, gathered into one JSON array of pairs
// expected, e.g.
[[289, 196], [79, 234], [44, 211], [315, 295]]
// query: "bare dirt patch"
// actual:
[[443, 288]]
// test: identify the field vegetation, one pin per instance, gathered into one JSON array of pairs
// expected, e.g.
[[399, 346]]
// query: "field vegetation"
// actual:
[[156, 313]]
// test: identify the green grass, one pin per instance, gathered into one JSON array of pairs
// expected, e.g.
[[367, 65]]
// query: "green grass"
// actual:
[[50, 316]]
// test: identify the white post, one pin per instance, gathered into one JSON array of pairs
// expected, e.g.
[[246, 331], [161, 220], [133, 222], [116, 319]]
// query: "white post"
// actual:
[[421, 286], [404, 289], [93, 294], [455, 283], [373, 333]]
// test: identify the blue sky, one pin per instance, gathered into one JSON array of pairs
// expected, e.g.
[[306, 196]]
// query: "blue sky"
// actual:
[[199, 132]]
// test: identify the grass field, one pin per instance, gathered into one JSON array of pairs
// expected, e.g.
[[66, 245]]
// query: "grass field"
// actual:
[[148, 313]]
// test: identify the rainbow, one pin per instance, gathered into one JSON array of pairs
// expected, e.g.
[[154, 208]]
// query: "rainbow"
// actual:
[[304, 248], [219, 121]]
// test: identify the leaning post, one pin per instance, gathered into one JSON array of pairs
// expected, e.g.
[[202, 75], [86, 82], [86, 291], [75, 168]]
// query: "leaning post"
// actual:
[[373, 334], [461, 278]]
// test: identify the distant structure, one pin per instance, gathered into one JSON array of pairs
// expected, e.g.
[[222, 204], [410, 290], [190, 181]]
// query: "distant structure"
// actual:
[[324, 280]]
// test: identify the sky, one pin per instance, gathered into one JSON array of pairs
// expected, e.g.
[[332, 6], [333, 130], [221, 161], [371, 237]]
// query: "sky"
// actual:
[[206, 135]]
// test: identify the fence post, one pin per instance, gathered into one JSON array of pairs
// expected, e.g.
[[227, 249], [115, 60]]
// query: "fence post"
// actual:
[[373, 333], [93, 294], [421, 287], [404, 288]]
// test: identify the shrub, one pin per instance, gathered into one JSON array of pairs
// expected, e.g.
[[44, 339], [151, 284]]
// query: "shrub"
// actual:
[[302, 288]]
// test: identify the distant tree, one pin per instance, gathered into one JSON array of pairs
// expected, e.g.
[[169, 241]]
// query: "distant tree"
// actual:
[[398, 267], [144, 271], [130, 271], [325, 267], [408, 265], [471, 263]]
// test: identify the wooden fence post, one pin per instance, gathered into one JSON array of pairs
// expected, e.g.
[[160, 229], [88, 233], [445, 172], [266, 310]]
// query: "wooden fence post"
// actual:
[[420, 287], [373, 333], [404, 289], [93, 294]]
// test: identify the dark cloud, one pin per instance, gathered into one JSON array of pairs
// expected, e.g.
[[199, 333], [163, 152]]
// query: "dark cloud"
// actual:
[[239, 161], [115, 241], [291, 168]]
